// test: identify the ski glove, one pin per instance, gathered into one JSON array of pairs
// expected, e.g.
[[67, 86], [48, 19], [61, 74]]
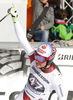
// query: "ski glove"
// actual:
[[13, 12]]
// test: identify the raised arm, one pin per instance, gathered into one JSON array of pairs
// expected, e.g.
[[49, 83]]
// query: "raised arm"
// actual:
[[19, 31]]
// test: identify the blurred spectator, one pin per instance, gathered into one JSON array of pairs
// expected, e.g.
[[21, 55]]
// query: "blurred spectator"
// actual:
[[41, 33], [61, 30]]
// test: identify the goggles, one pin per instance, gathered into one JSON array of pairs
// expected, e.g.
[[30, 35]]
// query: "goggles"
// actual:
[[40, 58]]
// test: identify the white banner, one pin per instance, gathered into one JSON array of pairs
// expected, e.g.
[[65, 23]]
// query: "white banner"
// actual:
[[64, 56]]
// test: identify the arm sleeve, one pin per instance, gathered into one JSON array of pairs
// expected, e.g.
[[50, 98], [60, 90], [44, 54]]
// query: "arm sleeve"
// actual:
[[67, 36], [60, 88], [63, 33], [22, 39]]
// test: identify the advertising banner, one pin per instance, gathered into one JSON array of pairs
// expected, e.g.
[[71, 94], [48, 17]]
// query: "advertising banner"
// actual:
[[64, 56]]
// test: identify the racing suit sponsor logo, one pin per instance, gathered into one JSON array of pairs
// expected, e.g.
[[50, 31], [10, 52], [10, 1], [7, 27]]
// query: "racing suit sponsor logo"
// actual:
[[60, 90], [41, 51], [44, 46], [44, 79]]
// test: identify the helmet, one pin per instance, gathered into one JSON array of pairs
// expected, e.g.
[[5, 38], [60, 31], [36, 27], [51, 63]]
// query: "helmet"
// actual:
[[47, 50]]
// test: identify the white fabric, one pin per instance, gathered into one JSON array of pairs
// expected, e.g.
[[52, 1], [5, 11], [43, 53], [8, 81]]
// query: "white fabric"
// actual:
[[22, 38], [20, 96], [55, 83]]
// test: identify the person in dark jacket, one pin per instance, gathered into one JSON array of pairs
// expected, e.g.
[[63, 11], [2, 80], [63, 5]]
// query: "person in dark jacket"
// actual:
[[61, 30]]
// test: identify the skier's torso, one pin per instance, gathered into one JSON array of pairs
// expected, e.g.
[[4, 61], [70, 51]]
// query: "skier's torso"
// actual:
[[40, 84]]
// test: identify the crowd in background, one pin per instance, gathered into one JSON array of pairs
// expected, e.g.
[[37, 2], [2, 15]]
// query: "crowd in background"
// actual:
[[53, 25]]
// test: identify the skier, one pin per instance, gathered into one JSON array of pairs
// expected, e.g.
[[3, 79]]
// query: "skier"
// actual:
[[44, 76]]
